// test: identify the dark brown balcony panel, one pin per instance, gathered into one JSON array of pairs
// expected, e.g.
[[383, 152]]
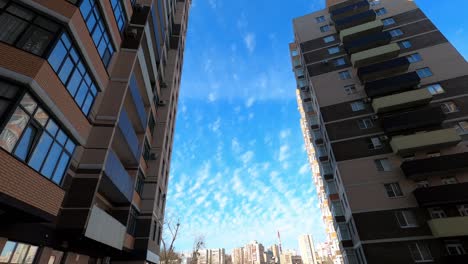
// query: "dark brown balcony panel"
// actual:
[[392, 85], [176, 29], [455, 259], [174, 41], [132, 37], [352, 7], [421, 168], [140, 15], [367, 42], [354, 20], [342, 4], [448, 194], [340, 219], [383, 69], [346, 243], [413, 120]]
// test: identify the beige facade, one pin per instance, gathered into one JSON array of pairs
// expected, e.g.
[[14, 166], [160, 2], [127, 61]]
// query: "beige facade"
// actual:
[[307, 249]]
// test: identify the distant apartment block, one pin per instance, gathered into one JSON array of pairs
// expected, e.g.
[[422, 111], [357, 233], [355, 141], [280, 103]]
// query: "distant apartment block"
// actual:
[[212, 256], [307, 249], [384, 95]]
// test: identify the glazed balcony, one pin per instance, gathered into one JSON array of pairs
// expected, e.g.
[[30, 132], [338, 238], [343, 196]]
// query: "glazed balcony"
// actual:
[[436, 166], [448, 194], [375, 55], [401, 101], [355, 20], [383, 69], [391, 85], [367, 42], [322, 153], [104, 228], [348, 8], [437, 139], [449, 227], [317, 137], [116, 183], [344, 236], [326, 170], [354, 33], [413, 120], [129, 151], [338, 211]]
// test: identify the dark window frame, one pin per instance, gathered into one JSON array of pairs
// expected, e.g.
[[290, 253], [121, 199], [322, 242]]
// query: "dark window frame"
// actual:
[[123, 15], [132, 220], [140, 182]]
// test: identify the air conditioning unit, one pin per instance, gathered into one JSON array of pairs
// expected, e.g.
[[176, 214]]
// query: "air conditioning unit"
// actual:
[[375, 117], [131, 33], [383, 138], [162, 102]]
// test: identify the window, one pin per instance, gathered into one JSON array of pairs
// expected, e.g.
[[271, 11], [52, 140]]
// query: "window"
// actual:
[[437, 212], [119, 14], [8, 96], [329, 39], [420, 252], [132, 221], [155, 229], [388, 21], [435, 89], [422, 184], [383, 164], [381, 11], [320, 19], [70, 69], [393, 190], [18, 253], [294, 53], [375, 143], [374, 2], [140, 182], [350, 89], [396, 32], [365, 123], [455, 248], [424, 72], [449, 107], [151, 123], [302, 83], [24, 29], [159, 235], [414, 58], [35, 138], [300, 73], [358, 106], [449, 180], [147, 151], [333, 50], [462, 127], [296, 63], [339, 62], [406, 44], [344, 75], [406, 219], [95, 24], [463, 209], [325, 28]]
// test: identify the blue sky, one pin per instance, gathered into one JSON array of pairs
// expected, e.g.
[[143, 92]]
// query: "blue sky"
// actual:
[[239, 169]]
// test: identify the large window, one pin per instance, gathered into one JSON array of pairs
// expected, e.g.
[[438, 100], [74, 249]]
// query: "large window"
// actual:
[[119, 14], [18, 253], [140, 181], [420, 252], [406, 219], [26, 30], [393, 190], [132, 221], [32, 136], [70, 68], [98, 31]]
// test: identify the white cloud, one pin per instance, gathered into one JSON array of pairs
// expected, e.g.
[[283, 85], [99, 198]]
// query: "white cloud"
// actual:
[[247, 157], [211, 97], [250, 102], [236, 148], [283, 153], [285, 133], [249, 41], [304, 169], [215, 126]]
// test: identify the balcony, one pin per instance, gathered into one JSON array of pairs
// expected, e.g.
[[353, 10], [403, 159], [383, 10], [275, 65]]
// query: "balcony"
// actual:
[[105, 229], [367, 42], [344, 236], [413, 120], [448, 194], [129, 152], [355, 20], [322, 153], [383, 69], [116, 184], [338, 211], [350, 8], [437, 139], [317, 137], [375, 55], [140, 15], [351, 34], [401, 101], [138, 102], [388, 86], [326, 170], [449, 227]]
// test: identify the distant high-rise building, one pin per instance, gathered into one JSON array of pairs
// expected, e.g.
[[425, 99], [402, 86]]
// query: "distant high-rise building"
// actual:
[[212, 256], [386, 114], [238, 256], [290, 257], [276, 253], [307, 249]]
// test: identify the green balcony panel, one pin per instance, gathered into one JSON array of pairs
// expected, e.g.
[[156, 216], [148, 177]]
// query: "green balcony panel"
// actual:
[[375, 55], [360, 31], [403, 145], [401, 100], [449, 227]]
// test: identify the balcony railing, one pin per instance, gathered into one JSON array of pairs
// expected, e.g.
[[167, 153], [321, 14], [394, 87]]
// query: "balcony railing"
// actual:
[[322, 153], [433, 140], [330, 188], [448, 194], [367, 42], [105, 229], [388, 86], [348, 10], [449, 227], [354, 33], [383, 69], [326, 170], [130, 136], [317, 136], [117, 185], [355, 20], [375, 55], [401, 101], [412, 120]]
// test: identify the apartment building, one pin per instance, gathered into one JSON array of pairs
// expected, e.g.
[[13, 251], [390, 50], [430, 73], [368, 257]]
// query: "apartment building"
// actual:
[[88, 99], [212, 256], [307, 249], [388, 100]]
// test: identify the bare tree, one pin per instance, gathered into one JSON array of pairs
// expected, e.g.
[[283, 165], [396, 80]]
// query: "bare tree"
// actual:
[[198, 245], [168, 254]]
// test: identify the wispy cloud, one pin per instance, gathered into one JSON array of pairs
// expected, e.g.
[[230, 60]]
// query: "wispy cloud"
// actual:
[[249, 41]]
